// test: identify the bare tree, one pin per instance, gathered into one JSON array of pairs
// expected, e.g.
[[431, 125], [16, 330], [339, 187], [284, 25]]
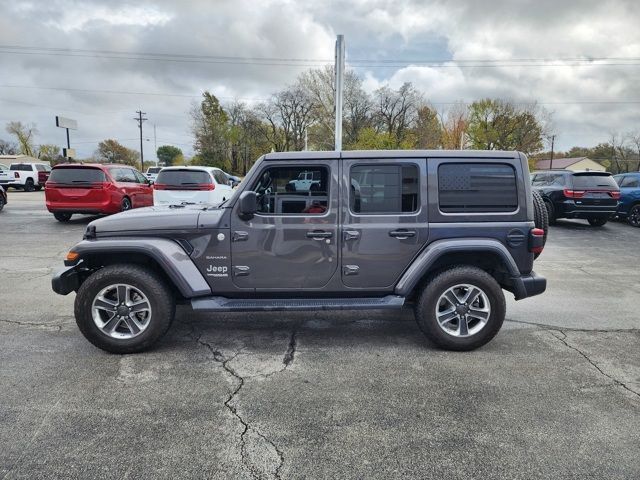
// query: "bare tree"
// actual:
[[8, 148], [634, 138], [454, 123], [24, 135], [396, 110]]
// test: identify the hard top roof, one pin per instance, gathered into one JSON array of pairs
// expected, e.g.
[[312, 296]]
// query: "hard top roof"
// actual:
[[347, 154]]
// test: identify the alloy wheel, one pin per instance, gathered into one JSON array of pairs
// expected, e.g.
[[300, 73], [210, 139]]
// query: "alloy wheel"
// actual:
[[121, 311], [463, 310], [634, 216]]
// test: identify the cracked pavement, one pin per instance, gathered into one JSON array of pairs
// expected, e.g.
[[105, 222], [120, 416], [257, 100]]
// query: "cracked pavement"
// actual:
[[324, 394]]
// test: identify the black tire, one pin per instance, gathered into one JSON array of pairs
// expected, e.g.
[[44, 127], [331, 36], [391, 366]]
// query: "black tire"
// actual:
[[438, 285], [540, 217], [62, 217], [125, 204], [29, 185], [597, 221], [634, 216], [1, 202], [551, 212], [159, 295]]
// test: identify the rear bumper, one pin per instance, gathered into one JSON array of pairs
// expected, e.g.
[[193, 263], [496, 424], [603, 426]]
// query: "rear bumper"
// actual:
[[66, 280], [530, 285], [573, 210]]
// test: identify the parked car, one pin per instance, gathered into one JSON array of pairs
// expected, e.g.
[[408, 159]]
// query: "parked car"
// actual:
[[95, 189], [629, 205], [443, 231], [234, 179], [177, 185], [152, 173], [24, 176], [592, 196], [43, 174], [3, 197]]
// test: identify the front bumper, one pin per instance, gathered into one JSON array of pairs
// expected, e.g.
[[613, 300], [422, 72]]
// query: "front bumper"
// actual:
[[530, 285], [66, 280]]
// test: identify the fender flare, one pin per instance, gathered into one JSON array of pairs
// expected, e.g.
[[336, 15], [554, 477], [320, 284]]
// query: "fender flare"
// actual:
[[169, 255], [421, 264]]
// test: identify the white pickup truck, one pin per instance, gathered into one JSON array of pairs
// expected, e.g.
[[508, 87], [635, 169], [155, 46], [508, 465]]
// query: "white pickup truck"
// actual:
[[25, 176]]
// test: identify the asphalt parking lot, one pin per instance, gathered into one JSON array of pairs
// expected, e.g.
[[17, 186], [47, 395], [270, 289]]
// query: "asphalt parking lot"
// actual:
[[324, 395]]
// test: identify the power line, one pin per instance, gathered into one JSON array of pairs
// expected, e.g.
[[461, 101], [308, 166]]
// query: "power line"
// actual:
[[310, 62]]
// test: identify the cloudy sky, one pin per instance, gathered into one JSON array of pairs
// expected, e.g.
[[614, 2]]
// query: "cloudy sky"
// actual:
[[100, 61]]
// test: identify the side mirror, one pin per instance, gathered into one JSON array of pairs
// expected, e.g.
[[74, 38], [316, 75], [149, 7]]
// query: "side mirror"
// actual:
[[248, 205]]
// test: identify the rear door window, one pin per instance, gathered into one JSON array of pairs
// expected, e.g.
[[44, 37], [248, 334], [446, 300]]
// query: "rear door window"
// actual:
[[72, 175], [594, 181], [220, 177], [630, 182], [477, 187], [384, 189], [186, 178]]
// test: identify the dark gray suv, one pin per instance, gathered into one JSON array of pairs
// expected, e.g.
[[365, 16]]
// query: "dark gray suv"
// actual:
[[444, 232]]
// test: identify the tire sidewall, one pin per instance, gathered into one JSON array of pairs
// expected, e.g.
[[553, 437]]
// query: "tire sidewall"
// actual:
[[127, 201], [426, 307], [29, 186], [156, 291], [635, 208]]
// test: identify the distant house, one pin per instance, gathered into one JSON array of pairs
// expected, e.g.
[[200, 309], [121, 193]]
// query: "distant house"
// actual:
[[575, 164]]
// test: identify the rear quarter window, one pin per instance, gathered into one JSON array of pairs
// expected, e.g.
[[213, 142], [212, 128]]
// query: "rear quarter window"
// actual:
[[477, 188], [76, 175]]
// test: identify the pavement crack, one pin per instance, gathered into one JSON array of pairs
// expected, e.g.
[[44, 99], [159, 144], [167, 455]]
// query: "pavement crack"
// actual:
[[546, 326], [563, 339], [239, 381], [290, 355], [33, 324]]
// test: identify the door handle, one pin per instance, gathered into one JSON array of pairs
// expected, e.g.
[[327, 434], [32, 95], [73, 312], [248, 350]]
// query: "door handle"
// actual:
[[351, 234], [402, 234], [319, 234]]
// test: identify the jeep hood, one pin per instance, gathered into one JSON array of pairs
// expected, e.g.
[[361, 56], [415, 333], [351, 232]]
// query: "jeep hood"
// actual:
[[184, 217]]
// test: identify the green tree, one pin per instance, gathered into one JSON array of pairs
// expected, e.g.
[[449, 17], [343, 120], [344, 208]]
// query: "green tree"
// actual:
[[500, 125], [211, 132], [168, 155], [428, 131], [25, 135], [50, 153], [110, 151]]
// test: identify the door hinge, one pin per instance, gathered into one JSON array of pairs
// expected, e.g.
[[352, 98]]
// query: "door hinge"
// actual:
[[350, 270], [241, 271]]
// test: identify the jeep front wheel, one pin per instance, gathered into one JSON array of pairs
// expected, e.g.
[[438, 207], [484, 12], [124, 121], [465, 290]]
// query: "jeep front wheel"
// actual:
[[124, 308], [461, 308]]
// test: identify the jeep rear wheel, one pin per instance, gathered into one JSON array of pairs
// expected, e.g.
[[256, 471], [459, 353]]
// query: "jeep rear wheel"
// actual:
[[461, 308], [124, 308], [540, 216]]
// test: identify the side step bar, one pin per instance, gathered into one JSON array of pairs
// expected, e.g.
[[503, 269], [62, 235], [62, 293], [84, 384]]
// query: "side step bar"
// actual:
[[223, 304]]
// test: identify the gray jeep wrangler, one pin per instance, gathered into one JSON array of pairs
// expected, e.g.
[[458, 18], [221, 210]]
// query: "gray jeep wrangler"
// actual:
[[444, 232]]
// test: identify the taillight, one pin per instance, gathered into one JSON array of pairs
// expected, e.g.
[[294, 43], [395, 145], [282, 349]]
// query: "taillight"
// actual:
[[615, 194], [159, 186], [206, 186], [573, 193], [536, 240]]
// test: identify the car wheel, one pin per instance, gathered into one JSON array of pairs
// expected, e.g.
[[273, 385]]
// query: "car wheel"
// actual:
[[551, 212], [597, 222], [2, 202], [124, 308], [125, 205], [62, 217], [634, 216], [461, 308], [29, 186], [540, 217]]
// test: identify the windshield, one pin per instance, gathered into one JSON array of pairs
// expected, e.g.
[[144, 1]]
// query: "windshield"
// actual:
[[183, 177], [77, 175], [597, 181]]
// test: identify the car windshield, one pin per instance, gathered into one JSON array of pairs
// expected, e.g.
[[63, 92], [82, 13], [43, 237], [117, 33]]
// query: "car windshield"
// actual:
[[590, 180], [68, 175], [183, 177]]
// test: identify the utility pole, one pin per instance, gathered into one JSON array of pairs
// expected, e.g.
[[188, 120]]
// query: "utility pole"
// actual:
[[140, 119], [155, 143], [339, 66], [306, 140], [553, 140]]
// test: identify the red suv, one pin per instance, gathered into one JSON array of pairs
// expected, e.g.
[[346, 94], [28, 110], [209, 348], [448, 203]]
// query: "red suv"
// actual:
[[95, 189]]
